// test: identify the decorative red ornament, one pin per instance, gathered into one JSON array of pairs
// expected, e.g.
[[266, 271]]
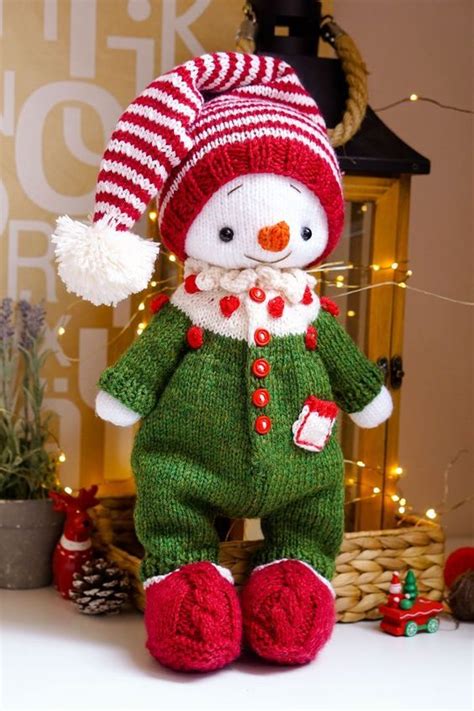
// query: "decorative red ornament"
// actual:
[[311, 338], [457, 563], [195, 337], [158, 302], [229, 304], [190, 285], [329, 306], [75, 545], [276, 307], [307, 297]]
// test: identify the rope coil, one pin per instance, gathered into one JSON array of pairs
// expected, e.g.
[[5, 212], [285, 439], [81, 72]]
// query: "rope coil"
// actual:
[[355, 72]]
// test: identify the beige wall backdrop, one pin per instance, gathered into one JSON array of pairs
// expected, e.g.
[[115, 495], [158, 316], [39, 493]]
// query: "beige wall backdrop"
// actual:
[[68, 69], [425, 46]]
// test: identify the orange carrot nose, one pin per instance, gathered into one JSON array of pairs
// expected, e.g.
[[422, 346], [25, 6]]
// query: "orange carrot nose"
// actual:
[[274, 238]]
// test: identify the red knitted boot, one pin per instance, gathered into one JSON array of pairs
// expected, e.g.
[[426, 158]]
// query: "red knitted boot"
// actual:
[[193, 619], [288, 612]]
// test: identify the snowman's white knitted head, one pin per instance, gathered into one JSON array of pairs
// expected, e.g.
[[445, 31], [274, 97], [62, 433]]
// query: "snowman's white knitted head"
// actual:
[[259, 219]]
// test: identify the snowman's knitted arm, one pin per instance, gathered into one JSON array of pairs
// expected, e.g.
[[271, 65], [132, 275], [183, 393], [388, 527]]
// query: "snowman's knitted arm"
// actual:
[[357, 383], [137, 379]]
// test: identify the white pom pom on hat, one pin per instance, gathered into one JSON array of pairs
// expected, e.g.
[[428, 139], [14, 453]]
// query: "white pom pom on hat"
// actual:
[[99, 264], [169, 143]]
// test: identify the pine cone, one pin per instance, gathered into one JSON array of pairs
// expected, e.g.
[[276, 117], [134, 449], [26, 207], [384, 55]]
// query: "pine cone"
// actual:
[[101, 588]]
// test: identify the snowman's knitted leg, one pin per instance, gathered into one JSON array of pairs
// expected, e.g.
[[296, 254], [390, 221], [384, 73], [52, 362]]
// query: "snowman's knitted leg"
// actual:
[[174, 526], [288, 603], [309, 529], [192, 612]]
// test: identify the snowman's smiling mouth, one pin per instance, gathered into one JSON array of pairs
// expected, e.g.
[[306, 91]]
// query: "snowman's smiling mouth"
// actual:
[[268, 261]]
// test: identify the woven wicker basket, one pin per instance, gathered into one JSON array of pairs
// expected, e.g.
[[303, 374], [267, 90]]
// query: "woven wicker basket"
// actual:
[[364, 565]]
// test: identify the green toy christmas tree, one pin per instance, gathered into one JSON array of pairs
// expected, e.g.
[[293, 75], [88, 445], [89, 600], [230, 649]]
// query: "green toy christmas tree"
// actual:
[[410, 591]]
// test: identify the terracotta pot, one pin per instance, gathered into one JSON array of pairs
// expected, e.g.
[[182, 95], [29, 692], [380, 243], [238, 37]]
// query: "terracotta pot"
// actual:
[[29, 531]]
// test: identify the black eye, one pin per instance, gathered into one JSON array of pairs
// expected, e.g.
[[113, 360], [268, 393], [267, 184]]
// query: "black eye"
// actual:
[[226, 234], [306, 233]]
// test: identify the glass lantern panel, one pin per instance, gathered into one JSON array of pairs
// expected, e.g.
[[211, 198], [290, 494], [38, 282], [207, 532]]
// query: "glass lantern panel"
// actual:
[[347, 272]]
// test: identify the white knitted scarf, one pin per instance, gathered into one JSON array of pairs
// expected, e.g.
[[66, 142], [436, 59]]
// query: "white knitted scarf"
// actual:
[[290, 282]]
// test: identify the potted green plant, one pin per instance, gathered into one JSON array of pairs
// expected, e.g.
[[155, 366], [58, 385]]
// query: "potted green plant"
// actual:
[[29, 528]]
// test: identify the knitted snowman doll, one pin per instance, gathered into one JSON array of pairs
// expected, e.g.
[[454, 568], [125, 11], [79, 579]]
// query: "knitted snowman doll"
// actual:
[[238, 378]]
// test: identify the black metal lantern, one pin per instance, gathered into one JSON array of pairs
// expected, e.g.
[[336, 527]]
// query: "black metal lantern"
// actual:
[[291, 30], [377, 167]]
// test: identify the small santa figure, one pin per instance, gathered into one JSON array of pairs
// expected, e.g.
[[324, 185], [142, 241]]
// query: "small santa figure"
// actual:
[[395, 590]]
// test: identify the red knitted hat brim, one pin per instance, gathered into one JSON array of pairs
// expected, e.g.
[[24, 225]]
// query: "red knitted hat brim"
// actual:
[[266, 155]]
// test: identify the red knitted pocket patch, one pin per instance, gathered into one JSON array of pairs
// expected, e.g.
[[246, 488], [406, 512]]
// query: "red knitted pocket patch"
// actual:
[[329, 306], [315, 423], [158, 302]]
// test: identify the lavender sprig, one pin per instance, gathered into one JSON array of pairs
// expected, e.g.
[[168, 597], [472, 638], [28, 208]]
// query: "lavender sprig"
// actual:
[[27, 469], [7, 328], [32, 322]]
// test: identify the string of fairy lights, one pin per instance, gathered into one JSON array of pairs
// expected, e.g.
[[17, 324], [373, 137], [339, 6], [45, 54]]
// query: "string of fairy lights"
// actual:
[[412, 98], [398, 274]]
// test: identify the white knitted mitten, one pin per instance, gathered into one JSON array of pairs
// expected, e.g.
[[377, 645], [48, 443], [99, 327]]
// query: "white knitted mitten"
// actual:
[[375, 412], [111, 410]]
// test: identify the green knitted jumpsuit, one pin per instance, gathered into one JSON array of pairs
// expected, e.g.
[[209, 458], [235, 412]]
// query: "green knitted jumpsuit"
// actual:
[[198, 452]]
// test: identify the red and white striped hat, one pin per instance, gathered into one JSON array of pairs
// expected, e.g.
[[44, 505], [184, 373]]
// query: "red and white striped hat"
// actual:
[[176, 142]]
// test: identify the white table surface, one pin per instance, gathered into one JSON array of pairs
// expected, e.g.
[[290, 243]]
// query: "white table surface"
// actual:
[[54, 658]]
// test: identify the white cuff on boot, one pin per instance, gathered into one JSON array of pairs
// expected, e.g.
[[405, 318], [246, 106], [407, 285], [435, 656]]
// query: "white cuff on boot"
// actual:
[[225, 572], [320, 577]]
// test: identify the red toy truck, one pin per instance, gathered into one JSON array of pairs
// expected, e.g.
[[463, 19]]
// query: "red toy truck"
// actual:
[[421, 616]]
